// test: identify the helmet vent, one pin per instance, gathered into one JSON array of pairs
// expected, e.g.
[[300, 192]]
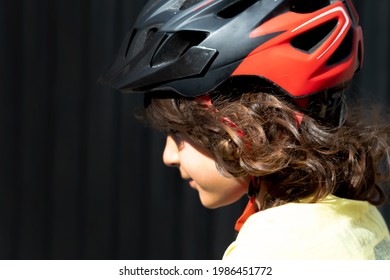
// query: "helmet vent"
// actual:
[[308, 6], [235, 8], [140, 40], [309, 41], [176, 45], [343, 51], [189, 3]]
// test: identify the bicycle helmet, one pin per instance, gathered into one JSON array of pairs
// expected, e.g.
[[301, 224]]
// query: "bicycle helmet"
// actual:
[[193, 46]]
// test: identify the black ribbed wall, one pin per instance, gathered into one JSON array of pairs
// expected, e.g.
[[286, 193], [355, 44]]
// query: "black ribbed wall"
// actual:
[[80, 178]]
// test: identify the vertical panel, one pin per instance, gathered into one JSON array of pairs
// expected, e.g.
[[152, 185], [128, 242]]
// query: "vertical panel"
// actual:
[[10, 128], [35, 110], [70, 114], [103, 138], [373, 79]]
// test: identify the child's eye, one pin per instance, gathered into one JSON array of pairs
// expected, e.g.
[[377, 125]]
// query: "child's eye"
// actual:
[[172, 132]]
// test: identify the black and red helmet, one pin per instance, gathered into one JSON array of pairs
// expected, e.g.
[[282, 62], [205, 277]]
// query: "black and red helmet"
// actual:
[[193, 46]]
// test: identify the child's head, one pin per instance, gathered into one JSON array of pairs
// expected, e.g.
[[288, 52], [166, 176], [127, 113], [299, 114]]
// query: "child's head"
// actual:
[[256, 87]]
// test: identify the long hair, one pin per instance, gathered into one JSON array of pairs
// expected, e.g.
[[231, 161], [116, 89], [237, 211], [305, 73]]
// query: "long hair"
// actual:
[[263, 139]]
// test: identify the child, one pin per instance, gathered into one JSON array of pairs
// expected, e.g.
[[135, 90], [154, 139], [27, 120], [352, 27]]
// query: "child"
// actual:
[[250, 94]]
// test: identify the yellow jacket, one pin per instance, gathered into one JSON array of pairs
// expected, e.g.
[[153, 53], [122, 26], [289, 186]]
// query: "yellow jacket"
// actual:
[[333, 228]]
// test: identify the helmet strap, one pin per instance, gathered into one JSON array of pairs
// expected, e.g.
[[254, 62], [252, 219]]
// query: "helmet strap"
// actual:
[[251, 208]]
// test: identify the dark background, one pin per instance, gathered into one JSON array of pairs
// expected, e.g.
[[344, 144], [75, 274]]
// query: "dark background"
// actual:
[[80, 178]]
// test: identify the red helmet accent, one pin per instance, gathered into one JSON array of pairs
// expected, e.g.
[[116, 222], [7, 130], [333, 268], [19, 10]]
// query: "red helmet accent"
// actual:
[[296, 71]]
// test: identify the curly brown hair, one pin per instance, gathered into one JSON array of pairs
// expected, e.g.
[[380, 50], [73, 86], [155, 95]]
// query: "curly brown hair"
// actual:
[[296, 160]]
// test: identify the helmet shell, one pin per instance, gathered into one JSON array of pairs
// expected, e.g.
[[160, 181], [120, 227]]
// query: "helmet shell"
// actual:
[[193, 46]]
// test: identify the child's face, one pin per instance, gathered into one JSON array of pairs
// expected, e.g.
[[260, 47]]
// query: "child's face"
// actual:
[[215, 190]]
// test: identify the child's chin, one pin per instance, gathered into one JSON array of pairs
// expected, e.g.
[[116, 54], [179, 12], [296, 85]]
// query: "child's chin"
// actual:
[[210, 204]]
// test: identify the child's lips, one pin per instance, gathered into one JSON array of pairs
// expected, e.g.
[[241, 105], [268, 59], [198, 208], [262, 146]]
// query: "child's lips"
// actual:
[[192, 183]]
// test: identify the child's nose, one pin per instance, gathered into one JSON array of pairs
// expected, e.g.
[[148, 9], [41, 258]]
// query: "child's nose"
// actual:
[[171, 153]]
